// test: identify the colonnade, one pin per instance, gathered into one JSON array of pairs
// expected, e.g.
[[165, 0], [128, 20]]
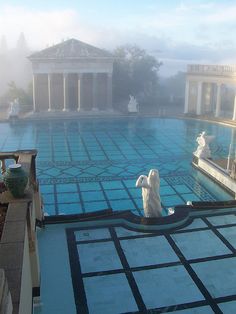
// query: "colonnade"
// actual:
[[199, 104], [80, 106]]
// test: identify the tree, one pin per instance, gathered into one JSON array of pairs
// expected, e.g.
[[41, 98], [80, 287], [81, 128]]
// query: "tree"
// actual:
[[134, 73], [13, 92], [21, 45]]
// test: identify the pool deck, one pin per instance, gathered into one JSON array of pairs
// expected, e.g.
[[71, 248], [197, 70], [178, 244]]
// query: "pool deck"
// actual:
[[116, 265]]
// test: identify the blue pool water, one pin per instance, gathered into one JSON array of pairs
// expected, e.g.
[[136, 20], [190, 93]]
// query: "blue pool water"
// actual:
[[92, 164]]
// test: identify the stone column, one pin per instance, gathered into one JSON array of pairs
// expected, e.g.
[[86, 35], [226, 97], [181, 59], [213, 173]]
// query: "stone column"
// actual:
[[199, 99], [80, 76], [186, 107], [65, 91], [218, 100], [95, 92], [234, 115], [34, 94], [109, 91], [49, 93]]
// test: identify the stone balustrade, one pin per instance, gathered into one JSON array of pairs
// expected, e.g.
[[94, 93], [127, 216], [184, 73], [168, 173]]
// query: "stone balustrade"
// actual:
[[204, 69], [18, 247]]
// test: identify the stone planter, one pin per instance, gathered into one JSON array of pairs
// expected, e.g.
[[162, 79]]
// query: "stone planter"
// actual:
[[16, 180]]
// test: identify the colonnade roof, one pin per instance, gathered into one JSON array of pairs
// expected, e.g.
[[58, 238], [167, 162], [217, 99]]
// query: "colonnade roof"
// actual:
[[71, 49]]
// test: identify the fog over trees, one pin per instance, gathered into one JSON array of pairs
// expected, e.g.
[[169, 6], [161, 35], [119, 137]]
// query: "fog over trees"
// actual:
[[14, 64]]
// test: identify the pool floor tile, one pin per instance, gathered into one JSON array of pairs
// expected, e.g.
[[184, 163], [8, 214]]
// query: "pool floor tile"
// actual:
[[92, 196], [166, 287], [68, 197], [122, 205], [112, 185], [109, 294], [95, 206], [116, 194], [69, 208], [66, 188], [90, 186]]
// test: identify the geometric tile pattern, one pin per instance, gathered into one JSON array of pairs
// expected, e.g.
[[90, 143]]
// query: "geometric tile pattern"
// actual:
[[191, 270], [95, 156]]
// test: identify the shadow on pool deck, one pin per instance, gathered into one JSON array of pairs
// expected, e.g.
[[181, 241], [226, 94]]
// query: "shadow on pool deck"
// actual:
[[113, 264]]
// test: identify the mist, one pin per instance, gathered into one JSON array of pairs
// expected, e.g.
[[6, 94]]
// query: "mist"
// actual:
[[14, 64]]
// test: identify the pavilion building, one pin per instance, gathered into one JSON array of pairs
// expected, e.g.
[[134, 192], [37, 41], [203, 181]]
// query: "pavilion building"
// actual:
[[203, 88], [72, 76]]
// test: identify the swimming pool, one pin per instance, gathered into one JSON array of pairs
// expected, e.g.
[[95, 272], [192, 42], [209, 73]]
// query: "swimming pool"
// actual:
[[92, 164]]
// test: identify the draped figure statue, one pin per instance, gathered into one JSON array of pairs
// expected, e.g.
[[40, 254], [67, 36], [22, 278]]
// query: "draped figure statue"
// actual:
[[150, 192], [203, 149]]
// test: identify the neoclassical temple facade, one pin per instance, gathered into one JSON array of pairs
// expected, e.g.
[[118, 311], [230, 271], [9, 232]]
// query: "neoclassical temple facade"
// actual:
[[72, 76], [204, 86]]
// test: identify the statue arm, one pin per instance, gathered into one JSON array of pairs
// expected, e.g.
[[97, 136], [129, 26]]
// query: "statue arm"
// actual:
[[142, 182]]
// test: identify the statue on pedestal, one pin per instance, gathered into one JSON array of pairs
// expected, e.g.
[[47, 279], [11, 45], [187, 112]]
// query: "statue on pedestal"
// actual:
[[150, 192], [203, 149], [132, 105], [14, 109]]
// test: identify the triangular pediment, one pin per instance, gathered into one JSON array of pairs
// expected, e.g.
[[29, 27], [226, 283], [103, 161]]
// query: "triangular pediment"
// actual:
[[70, 49]]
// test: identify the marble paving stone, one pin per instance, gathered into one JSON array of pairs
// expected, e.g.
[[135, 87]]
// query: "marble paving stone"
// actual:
[[123, 232], [218, 276], [166, 286], [92, 234], [98, 257], [229, 234], [109, 294], [196, 310], [222, 220], [148, 251], [197, 223], [200, 244], [228, 307]]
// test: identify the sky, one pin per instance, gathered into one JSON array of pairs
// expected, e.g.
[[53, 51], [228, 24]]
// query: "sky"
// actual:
[[175, 32]]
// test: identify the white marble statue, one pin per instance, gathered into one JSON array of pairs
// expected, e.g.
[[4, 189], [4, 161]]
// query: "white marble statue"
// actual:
[[203, 149], [150, 192], [132, 105], [14, 109]]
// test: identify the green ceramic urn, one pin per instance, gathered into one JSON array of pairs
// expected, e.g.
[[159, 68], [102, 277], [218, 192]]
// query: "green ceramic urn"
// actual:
[[16, 180]]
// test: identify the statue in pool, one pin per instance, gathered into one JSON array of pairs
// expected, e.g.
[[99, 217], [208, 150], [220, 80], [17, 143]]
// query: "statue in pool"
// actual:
[[150, 192], [203, 149]]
